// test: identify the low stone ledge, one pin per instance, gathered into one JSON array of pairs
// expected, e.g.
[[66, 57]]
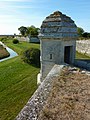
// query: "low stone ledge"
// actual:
[[38, 100], [82, 64]]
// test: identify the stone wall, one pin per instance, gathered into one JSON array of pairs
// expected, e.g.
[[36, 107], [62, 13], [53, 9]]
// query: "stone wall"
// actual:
[[85, 64], [38, 100], [56, 49], [34, 40], [83, 46], [28, 39], [22, 38]]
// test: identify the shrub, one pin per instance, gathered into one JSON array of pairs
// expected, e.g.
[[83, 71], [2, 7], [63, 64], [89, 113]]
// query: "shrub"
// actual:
[[3, 39], [32, 56], [15, 41]]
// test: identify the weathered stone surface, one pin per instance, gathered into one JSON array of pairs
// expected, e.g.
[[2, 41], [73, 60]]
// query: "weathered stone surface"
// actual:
[[83, 46], [69, 98]]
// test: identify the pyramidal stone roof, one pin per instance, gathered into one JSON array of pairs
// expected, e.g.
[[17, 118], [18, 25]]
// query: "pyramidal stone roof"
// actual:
[[58, 25]]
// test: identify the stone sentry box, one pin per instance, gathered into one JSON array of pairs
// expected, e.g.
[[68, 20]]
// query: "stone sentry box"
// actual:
[[57, 36]]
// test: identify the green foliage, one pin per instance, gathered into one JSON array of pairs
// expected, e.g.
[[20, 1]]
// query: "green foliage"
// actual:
[[32, 56], [23, 30], [32, 31], [80, 31], [86, 35], [29, 31], [81, 34], [15, 41], [3, 39]]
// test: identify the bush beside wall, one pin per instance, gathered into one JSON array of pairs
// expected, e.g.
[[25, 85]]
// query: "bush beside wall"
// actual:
[[32, 56]]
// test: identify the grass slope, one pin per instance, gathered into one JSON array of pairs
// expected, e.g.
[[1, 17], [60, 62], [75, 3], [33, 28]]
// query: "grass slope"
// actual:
[[3, 52], [21, 46], [17, 82]]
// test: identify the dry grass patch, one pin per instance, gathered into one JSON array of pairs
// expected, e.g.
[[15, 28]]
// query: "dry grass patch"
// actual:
[[69, 98]]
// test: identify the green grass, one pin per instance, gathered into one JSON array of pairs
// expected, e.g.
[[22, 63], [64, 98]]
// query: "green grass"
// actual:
[[82, 56], [21, 46], [17, 82]]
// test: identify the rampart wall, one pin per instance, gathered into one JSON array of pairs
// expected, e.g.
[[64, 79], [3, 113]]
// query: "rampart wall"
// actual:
[[83, 46]]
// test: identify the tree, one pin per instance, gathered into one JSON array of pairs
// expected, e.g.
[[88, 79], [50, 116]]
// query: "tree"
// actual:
[[32, 31], [85, 35], [80, 31], [26, 31], [89, 35], [23, 30]]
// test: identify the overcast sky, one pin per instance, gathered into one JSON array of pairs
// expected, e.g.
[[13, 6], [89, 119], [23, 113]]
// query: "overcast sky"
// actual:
[[16, 13]]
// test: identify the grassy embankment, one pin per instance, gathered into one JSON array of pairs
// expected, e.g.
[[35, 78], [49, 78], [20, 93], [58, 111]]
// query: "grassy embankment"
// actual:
[[17, 82], [3, 52]]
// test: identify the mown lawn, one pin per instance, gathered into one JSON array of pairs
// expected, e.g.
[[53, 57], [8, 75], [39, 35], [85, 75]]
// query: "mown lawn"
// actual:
[[21, 46], [17, 82]]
